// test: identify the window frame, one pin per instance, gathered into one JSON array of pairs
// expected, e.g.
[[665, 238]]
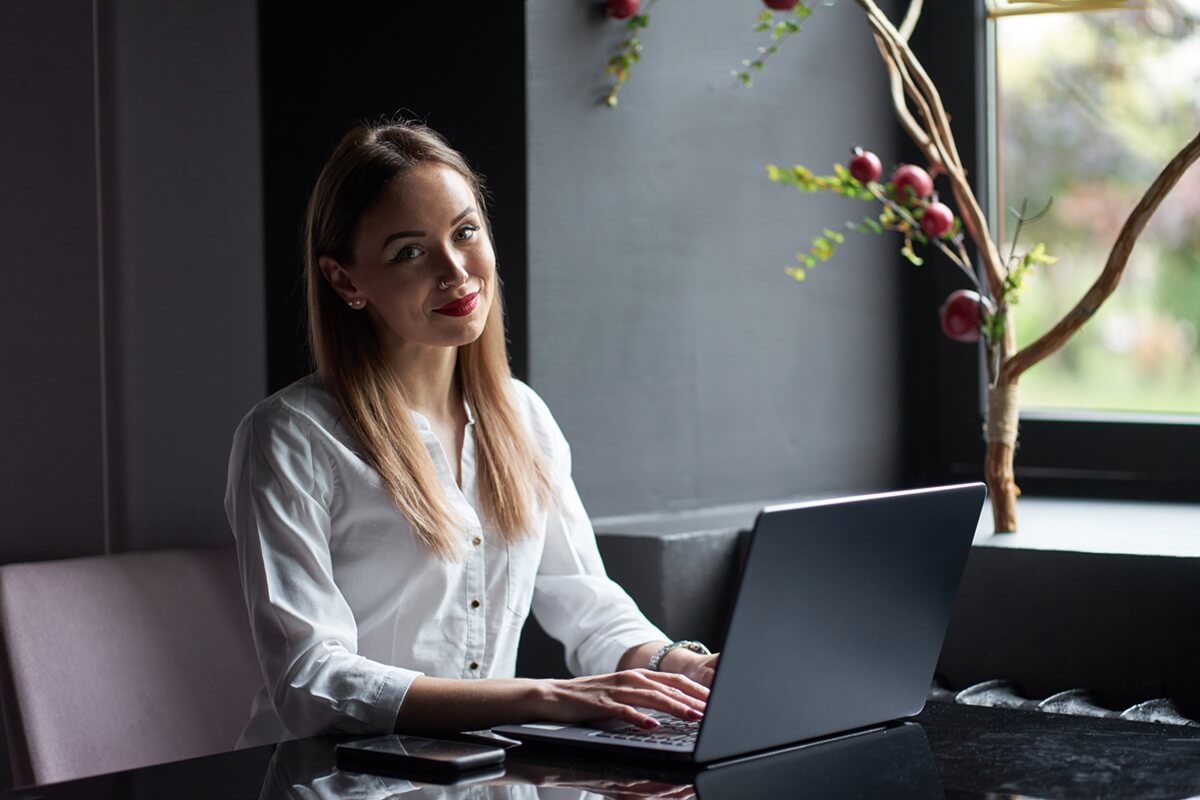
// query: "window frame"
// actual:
[[1059, 453]]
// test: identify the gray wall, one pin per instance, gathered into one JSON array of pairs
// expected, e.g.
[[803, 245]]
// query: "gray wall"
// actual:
[[684, 366], [186, 221]]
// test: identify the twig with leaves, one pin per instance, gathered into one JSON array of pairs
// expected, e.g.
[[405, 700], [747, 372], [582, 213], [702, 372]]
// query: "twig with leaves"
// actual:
[[779, 30], [629, 52]]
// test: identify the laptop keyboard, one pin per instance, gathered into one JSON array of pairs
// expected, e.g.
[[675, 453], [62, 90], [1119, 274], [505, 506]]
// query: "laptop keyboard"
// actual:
[[672, 730]]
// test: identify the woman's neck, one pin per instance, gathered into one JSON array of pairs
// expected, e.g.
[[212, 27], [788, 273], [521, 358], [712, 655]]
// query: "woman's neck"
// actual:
[[428, 377]]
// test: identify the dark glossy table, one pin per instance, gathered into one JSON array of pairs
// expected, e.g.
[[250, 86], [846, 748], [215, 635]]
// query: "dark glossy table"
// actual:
[[950, 751]]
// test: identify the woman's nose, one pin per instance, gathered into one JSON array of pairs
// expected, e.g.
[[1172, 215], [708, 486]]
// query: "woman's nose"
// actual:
[[455, 268]]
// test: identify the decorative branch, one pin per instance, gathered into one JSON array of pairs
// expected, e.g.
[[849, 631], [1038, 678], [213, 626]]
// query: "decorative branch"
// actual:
[[941, 139], [1114, 267]]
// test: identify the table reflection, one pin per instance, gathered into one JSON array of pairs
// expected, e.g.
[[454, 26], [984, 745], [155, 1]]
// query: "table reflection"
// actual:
[[895, 763], [307, 770]]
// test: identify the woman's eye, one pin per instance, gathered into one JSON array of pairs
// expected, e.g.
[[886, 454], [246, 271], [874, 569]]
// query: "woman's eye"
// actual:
[[407, 252], [466, 232]]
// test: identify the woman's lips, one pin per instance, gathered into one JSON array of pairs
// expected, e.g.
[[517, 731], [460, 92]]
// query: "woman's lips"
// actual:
[[460, 307]]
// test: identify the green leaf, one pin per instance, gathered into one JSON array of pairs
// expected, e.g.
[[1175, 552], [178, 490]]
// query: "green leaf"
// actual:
[[796, 272], [834, 236], [822, 248], [872, 224], [908, 253], [774, 173], [809, 261], [994, 325], [802, 11], [1038, 255]]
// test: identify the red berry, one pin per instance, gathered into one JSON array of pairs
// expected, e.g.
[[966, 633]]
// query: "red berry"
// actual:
[[962, 315], [865, 166], [780, 5], [622, 9], [938, 219], [911, 175]]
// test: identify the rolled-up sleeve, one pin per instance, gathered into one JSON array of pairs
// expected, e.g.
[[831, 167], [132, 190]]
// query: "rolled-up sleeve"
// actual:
[[574, 599], [277, 500]]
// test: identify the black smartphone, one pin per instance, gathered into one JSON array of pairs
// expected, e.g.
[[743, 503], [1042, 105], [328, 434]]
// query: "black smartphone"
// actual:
[[415, 756]]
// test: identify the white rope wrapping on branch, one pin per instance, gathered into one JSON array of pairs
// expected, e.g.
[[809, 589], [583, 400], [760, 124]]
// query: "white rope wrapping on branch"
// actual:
[[1003, 415]]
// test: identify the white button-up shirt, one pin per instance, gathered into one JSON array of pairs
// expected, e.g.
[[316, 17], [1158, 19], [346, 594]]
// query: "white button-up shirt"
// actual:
[[347, 607]]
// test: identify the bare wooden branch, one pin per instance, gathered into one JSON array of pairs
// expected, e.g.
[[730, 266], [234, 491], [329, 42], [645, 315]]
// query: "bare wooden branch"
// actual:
[[1114, 267], [907, 121], [910, 20], [914, 130], [939, 121]]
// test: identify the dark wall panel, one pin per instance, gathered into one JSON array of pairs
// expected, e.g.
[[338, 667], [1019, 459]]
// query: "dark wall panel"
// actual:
[[326, 66], [684, 365], [52, 389]]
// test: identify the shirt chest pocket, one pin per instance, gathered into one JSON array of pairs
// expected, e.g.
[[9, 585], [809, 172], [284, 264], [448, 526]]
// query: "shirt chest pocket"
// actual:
[[523, 557]]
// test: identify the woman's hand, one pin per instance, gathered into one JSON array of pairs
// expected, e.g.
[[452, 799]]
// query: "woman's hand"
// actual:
[[620, 695], [700, 668]]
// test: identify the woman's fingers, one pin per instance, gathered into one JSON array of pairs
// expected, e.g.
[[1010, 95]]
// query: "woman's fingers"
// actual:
[[624, 696], [676, 681], [659, 701]]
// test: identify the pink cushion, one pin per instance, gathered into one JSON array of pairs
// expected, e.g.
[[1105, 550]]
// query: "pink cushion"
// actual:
[[122, 661]]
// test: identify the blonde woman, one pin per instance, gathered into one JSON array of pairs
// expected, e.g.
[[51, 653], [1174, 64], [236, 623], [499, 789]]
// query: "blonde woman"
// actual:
[[399, 512]]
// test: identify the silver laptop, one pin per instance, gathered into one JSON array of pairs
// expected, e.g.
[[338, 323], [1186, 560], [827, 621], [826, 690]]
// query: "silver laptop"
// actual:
[[836, 627]]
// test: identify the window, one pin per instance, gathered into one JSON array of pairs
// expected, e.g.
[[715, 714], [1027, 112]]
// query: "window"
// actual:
[[1065, 447], [1090, 107]]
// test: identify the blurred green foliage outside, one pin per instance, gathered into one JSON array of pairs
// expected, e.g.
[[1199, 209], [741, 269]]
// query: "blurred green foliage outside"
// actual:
[[1091, 107]]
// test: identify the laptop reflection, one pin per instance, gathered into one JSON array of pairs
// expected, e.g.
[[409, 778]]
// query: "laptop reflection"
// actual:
[[894, 762]]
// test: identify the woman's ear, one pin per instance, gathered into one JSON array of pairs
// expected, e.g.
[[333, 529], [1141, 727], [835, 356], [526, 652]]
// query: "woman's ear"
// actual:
[[338, 278]]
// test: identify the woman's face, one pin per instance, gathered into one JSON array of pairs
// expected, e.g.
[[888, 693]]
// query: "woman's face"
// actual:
[[423, 262]]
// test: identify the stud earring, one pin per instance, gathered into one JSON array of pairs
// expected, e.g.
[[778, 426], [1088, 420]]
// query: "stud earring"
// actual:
[[357, 304]]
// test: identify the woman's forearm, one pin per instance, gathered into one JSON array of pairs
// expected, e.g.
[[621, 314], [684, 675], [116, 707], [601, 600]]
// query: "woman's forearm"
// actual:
[[444, 705]]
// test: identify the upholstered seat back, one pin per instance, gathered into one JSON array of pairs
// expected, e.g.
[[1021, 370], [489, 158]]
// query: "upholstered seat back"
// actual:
[[117, 662]]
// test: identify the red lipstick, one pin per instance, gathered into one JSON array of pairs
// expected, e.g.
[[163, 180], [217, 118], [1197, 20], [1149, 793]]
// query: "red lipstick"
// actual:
[[460, 307]]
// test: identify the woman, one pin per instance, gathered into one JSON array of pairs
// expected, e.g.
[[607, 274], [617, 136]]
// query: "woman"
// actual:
[[399, 512]]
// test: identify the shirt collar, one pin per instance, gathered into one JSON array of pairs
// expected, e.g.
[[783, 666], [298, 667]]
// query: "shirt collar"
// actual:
[[423, 424]]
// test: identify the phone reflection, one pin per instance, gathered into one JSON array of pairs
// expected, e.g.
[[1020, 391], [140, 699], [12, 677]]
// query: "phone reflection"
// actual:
[[895, 763]]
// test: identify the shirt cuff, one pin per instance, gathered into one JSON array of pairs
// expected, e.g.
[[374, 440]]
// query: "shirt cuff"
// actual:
[[616, 645], [392, 690]]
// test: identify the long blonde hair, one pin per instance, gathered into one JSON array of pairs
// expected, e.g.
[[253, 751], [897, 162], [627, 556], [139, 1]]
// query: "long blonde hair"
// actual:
[[513, 477]]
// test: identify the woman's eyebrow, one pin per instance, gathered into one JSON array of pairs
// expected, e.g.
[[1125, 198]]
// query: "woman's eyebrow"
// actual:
[[416, 234]]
